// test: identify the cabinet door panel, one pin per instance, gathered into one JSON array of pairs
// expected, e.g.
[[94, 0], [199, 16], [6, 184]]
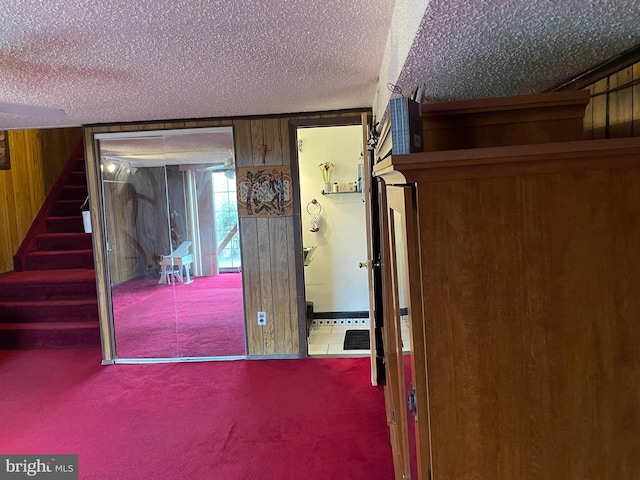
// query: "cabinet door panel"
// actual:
[[531, 286], [404, 322]]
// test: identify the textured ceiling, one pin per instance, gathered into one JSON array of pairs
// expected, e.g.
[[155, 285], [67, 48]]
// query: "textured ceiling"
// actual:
[[119, 61], [123, 60], [467, 49]]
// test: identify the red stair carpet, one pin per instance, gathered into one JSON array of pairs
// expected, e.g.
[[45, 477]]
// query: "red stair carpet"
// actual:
[[50, 299], [312, 419]]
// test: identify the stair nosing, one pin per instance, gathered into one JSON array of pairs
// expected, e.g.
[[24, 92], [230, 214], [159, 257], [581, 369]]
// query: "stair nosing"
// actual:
[[44, 303], [60, 234], [50, 325], [77, 251]]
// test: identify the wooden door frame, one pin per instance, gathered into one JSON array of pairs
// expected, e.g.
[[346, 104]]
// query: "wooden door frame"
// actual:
[[331, 120]]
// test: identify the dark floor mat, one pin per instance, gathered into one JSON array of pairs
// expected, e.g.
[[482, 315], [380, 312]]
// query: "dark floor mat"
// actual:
[[356, 340]]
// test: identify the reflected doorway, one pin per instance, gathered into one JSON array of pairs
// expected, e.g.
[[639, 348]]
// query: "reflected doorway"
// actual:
[[172, 243]]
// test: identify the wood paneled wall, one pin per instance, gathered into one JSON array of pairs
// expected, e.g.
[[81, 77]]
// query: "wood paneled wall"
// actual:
[[268, 256], [57, 146], [614, 110], [271, 247], [37, 159]]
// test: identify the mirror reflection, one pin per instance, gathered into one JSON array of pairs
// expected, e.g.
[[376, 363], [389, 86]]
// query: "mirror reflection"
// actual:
[[171, 229]]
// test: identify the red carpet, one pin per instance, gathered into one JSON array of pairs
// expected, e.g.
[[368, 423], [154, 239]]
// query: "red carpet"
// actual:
[[204, 318], [263, 420]]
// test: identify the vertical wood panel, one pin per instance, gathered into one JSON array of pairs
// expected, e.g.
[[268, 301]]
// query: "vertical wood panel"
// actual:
[[621, 105], [294, 302], [263, 133], [636, 101], [9, 238], [273, 138], [242, 140], [600, 110], [256, 139], [275, 334], [296, 331], [266, 285], [25, 176], [57, 146], [280, 283], [615, 114], [249, 246], [251, 284], [588, 117]]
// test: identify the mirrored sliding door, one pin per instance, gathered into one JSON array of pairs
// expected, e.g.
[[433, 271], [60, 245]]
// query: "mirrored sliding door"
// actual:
[[171, 228]]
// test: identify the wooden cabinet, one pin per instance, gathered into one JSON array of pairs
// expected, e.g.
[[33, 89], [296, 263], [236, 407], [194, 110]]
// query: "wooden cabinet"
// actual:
[[518, 268], [498, 122]]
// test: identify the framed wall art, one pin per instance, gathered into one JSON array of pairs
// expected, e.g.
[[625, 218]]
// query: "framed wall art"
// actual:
[[264, 191]]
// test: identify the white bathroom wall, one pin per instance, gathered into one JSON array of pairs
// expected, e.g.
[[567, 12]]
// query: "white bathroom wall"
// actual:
[[333, 280]]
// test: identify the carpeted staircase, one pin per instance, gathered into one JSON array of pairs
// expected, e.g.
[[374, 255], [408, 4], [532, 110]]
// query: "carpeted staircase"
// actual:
[[50, 300]]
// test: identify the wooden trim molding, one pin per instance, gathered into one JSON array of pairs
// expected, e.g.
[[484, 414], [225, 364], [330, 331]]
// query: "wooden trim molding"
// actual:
[[510, 160]]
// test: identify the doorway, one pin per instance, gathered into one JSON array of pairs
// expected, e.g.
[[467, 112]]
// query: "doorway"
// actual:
[[172, 244], [334, 238]]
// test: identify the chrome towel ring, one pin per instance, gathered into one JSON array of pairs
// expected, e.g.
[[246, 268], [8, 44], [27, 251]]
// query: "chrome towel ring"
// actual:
[[314, 207]]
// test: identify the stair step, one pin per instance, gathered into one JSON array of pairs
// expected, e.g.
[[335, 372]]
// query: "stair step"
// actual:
[[59, 259], [49, 311], [64, 241], [67, 284], [66, 208], [65, 224], [77, 178], [14, 336], [53, 302], [73, 192]]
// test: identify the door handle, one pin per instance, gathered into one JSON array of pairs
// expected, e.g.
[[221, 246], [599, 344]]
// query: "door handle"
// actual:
[[411, 401], [367, 263]]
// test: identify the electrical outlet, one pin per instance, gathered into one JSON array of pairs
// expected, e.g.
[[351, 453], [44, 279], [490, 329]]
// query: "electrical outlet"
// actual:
[[262, 318]]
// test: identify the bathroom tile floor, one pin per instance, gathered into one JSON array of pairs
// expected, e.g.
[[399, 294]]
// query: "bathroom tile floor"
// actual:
[[328, 340]]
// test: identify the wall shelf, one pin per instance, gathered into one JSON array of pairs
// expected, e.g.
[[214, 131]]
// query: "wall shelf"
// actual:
[[338, 193]]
